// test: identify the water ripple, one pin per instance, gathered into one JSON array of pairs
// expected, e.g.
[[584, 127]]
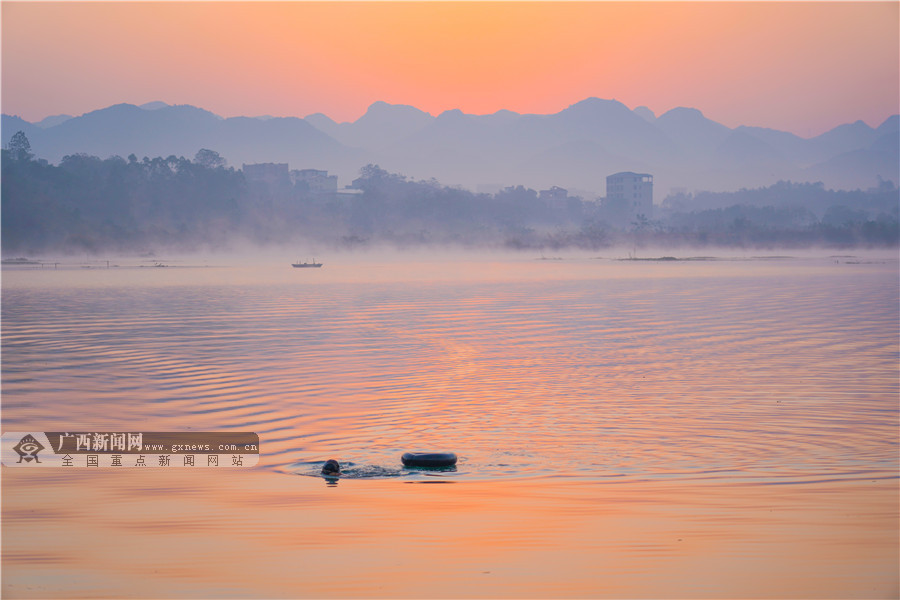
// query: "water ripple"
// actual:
[[758, 377]]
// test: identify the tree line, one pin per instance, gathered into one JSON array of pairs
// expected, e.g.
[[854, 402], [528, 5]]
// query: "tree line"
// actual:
[[88, 204]]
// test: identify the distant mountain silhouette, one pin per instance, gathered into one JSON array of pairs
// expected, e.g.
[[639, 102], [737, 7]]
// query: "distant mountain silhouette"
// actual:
[[52, 121], [163, 130], [11, 124], [381, 125], [890, 125], [154, 105], [645, 113], [843, 171], [575, 148], [692, 131]]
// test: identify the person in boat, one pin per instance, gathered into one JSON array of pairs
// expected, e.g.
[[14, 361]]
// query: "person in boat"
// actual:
[[331, 468]]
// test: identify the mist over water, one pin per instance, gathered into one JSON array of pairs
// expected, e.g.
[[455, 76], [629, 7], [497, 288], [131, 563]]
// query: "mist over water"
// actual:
[[557, 382]]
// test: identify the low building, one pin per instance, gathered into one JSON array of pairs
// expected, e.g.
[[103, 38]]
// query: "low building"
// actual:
[[554, 193], [556, 198], [273, 174], [314, 181]]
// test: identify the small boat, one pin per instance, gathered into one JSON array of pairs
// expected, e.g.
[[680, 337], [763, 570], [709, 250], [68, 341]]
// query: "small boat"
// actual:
[[306, 265]]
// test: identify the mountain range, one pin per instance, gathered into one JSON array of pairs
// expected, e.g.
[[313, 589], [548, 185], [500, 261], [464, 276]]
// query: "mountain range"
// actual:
[[575, 148]]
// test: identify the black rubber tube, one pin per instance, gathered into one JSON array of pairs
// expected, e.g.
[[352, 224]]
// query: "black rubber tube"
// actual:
[[428, 459]]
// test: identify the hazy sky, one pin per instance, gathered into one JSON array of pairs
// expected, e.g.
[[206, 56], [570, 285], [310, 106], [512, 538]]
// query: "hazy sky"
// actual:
[[803, 67]]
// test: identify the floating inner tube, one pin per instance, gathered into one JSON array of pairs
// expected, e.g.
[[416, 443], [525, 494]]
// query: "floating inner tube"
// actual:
[[428, 459]]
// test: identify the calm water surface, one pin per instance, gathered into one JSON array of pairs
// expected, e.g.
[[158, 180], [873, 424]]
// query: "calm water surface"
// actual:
[[625, 429]]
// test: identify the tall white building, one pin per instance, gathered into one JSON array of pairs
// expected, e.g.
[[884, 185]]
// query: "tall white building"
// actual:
[[635, 189]]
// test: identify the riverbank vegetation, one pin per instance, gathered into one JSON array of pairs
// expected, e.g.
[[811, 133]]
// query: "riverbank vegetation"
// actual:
[[88, 204]]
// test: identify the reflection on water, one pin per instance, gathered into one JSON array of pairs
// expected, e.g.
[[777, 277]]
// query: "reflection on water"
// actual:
[[728, 428]]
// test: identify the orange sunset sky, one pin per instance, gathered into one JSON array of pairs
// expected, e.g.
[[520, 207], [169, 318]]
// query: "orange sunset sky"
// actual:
[[803, 67]]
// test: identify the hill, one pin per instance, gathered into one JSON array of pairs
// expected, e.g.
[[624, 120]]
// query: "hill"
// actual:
[[575, 148]]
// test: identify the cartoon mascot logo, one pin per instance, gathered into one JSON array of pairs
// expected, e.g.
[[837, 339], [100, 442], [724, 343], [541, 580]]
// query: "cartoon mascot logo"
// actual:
[[27, 449]]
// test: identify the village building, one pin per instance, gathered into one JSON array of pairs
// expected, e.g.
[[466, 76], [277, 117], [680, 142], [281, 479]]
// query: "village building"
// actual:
[[282, 181], [314, 181], [273, 174], [556, 198]]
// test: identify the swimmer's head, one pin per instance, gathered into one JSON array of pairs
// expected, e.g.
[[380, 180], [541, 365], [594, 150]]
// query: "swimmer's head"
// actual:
[[331, 467]]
